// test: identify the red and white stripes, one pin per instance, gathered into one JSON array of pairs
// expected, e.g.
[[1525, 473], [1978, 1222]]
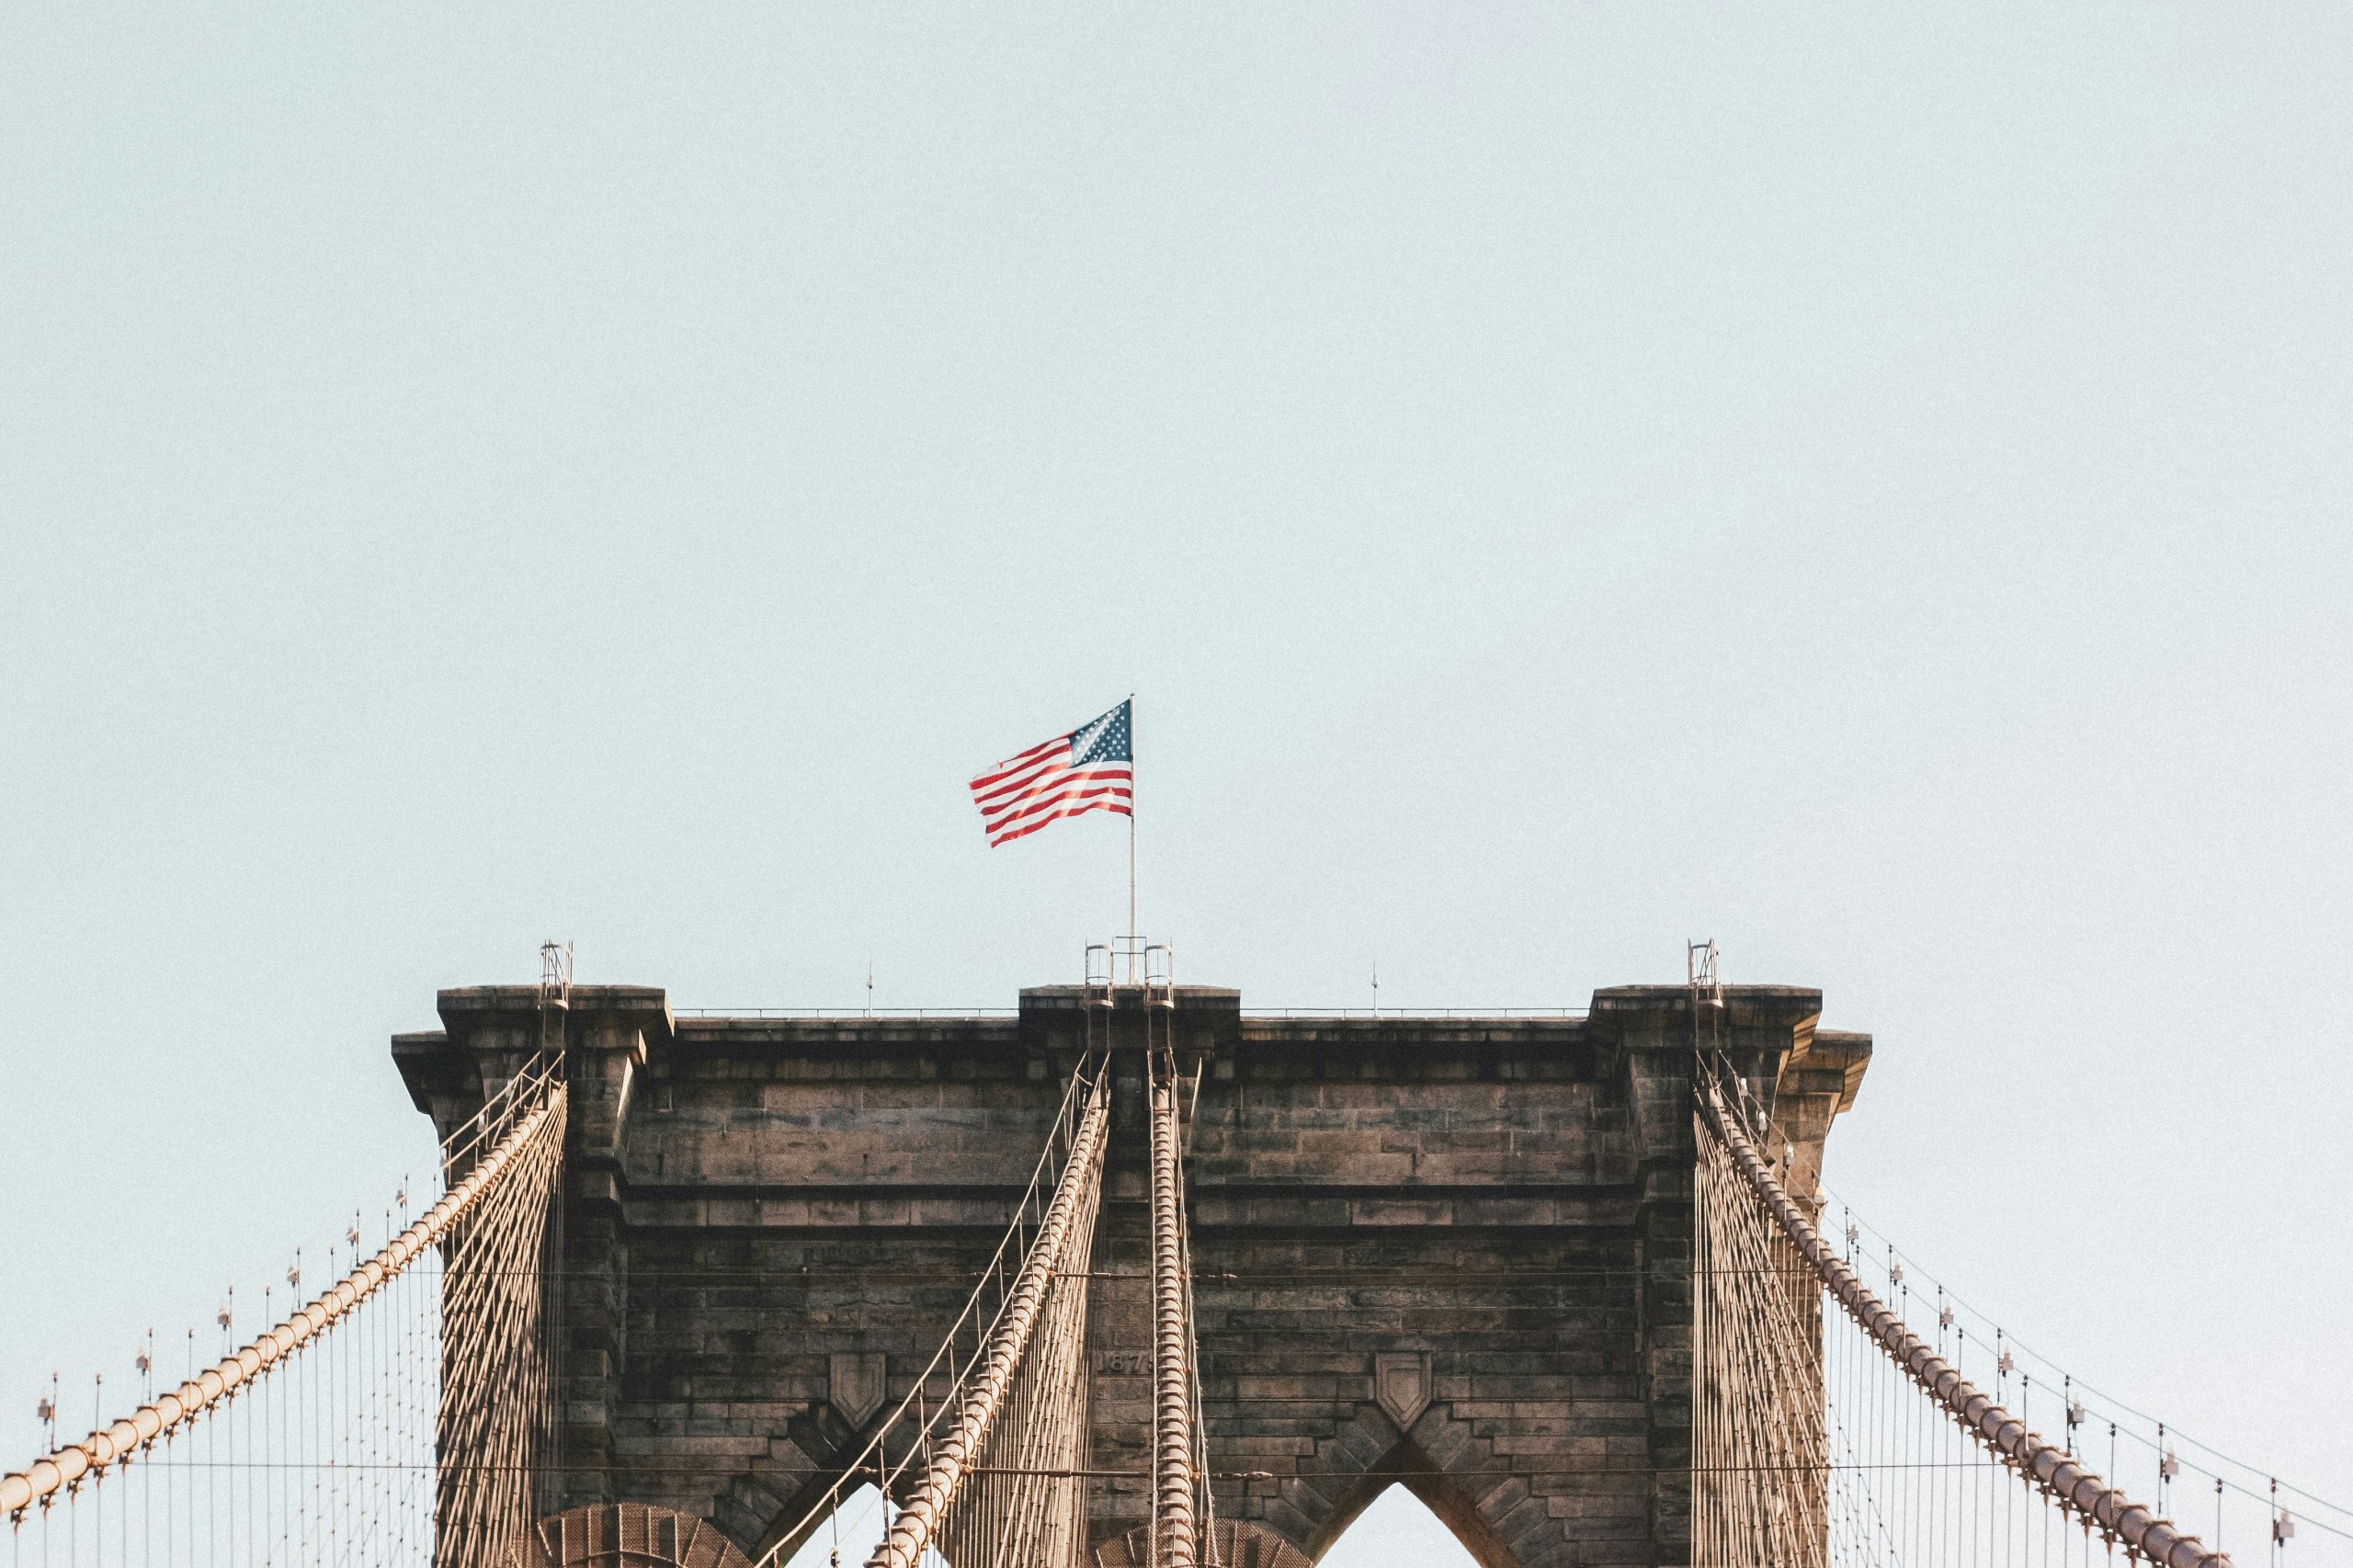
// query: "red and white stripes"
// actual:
[[1047, 783]]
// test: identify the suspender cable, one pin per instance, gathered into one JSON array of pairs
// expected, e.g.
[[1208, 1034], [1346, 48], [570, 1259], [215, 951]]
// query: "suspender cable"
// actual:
[[1172, 1509]]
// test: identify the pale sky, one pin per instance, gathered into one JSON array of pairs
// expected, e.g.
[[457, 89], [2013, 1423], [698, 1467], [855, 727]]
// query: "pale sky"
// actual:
[[1867, 486]]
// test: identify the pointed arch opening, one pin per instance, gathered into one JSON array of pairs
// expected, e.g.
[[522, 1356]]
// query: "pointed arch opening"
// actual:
[[1397, 1530], [1485, 1520], [853, 1529]]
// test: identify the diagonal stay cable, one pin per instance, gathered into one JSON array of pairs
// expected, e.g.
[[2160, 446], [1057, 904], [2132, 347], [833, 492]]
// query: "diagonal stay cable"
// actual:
[[2058, 1472], [1008, 1338], [212, 1388]]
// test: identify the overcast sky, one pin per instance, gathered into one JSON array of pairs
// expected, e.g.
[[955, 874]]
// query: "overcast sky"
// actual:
[[1869, 486]]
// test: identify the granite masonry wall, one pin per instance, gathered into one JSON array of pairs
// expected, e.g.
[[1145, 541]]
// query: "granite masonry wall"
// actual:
[[1447, 1252]]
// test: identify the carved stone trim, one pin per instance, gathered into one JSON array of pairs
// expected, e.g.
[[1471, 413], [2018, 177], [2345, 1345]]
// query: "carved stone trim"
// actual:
[[1400, 1384], [856, 1383]]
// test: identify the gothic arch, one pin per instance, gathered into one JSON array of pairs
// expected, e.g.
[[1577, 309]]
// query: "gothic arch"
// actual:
[[810, 1457], [1442, 1460], [850, 1529], [767, 1517], [1398, 1526], [628, 1535]]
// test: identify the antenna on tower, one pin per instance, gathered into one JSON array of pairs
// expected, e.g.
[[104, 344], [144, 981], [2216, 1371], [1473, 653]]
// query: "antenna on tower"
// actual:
[[1699, 961], [870, 988], [1700, 973], [555, 992]]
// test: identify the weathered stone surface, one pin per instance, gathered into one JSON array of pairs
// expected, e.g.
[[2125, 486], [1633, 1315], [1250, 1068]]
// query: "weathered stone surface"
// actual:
[[627, 1535], [1400, 1384], [856, 1385], [1452, 1254]]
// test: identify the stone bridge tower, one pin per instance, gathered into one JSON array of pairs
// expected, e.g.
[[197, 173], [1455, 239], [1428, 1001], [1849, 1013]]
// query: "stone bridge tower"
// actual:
[[1449, 1253]]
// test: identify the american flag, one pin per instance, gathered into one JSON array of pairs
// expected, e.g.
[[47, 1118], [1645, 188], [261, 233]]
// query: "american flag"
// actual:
[[1092, 769]]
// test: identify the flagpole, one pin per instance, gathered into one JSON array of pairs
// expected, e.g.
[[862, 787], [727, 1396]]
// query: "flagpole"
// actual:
[[1133, 935]]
